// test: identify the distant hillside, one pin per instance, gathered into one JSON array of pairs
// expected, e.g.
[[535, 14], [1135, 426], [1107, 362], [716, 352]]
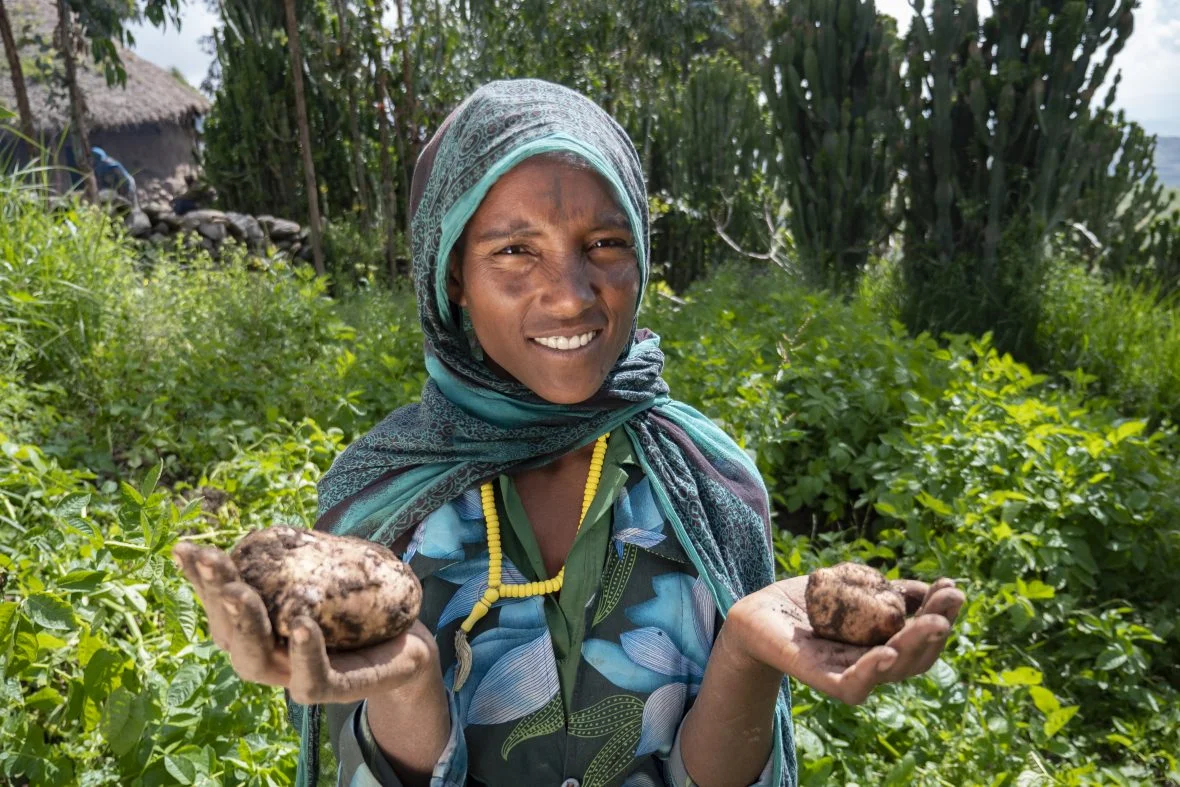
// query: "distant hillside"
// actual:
[[1167, 160]]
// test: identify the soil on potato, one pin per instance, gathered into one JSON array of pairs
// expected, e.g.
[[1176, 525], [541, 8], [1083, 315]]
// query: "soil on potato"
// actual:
[[356, 590], [855, 604]]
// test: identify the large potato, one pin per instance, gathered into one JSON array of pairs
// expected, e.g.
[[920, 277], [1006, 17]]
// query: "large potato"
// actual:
[[357, 591], [855, 604]]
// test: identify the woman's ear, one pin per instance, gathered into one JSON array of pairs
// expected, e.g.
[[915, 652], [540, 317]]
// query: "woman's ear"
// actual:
[[455, 279]]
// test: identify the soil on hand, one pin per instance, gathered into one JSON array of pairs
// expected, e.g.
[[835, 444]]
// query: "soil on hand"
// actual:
[[854, 603], [356, 590]]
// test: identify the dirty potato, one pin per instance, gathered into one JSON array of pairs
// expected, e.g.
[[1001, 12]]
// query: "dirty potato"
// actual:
[[855, 604], [357, 591]]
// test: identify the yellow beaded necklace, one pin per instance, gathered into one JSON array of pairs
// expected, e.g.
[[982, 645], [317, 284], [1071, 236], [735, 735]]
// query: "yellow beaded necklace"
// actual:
[[497, 588]]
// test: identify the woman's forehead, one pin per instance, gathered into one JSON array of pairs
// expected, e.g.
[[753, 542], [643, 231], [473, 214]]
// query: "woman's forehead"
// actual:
[[551, 189]]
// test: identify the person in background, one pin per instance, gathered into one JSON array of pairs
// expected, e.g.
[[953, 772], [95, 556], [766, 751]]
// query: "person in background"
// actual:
[[110, 174], [197, 195]]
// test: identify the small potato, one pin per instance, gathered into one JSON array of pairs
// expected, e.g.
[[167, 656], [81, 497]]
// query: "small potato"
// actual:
[[855, 604], [356, 590]]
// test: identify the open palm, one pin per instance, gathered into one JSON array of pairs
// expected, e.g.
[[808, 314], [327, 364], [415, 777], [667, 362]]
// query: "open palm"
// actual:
[[773, 629]]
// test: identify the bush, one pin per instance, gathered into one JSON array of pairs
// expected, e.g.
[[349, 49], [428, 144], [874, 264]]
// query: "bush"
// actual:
[[956, 461], [109, 674], [1125, 338]]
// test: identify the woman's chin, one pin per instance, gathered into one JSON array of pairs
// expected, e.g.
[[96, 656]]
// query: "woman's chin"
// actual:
[[565, 394]]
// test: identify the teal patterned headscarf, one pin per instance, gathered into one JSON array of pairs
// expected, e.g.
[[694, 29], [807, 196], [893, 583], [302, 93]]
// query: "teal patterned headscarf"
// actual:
[[472, 425]]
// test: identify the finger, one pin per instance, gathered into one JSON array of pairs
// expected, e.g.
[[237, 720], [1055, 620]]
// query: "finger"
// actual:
[[855, 683], [936, 587], [913, 591], [184, 555], [252, 651], [917, 645], [311, 673], [202, 567], [945, 601], [215, 568]]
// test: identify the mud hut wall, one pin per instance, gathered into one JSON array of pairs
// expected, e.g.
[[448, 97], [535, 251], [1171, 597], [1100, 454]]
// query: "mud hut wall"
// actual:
[[151, 151]]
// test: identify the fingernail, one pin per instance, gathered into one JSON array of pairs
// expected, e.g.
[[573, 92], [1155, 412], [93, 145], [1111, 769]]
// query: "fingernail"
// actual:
[[886, 663], [205, 570], [934, 639], [231, 608], [299, 635]]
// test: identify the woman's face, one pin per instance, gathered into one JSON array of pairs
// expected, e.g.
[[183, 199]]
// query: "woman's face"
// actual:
[[550, 278]]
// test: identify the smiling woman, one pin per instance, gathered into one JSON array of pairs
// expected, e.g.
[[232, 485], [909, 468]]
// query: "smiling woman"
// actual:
[[549, 278], [598, 597]]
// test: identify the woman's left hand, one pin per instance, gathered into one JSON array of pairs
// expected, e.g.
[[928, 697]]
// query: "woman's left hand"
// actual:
[[770, 628]]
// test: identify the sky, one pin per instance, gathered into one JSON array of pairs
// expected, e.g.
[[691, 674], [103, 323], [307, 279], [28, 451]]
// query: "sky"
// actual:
[[1149, 92]]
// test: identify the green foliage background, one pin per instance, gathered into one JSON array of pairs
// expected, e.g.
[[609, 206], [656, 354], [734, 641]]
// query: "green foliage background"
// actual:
[[145, 400]]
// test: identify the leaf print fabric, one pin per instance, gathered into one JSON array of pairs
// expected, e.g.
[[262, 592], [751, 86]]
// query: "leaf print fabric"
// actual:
[[649, 628]]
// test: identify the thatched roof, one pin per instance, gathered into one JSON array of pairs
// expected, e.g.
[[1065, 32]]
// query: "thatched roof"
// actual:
[[152, 95]]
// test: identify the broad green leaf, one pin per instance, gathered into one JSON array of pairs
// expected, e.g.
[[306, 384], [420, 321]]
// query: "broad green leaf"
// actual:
[[150, 480], [943, 675], [8, 610], [24, 649], [1044, 699], [72, 505], [1058, 719], [180, 768], [1021, 676], [123, 720], [82, 579], [933, 503], [131, 494], [1122, 740], [902, 771], [48, 611], [1110, 659], [44, 699], [184, 684], [1035, 589], [99, 677], [1125, 430]]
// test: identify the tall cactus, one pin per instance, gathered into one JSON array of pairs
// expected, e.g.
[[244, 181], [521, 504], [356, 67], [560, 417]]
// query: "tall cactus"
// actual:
[[1120, 197], [834, 94], [1000, 138], [706, 162]]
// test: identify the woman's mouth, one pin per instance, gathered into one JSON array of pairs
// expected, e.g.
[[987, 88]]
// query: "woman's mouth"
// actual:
[[566, 342]]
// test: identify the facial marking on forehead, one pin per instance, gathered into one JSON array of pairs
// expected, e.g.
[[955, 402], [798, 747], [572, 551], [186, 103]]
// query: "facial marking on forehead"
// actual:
[[555, 197]]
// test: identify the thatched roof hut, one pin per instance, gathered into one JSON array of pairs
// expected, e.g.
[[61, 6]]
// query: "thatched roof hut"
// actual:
[[149, 124]]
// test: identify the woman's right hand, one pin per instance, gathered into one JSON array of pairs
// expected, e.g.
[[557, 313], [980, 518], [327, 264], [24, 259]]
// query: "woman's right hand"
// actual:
[[239, 625]]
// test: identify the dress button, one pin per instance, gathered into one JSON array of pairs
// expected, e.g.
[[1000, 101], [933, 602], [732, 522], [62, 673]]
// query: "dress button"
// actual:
[[570, 783]]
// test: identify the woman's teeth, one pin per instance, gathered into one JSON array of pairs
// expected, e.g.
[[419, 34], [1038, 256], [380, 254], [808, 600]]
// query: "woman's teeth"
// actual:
[[566, 342]]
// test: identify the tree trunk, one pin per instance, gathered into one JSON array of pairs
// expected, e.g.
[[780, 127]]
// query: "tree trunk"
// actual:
[[360, 177], [313, 194], [389, 194], [18, 83], [65, 39], [409, 111]]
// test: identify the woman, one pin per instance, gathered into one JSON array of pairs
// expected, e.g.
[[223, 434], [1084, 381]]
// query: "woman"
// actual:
[[599, 605]]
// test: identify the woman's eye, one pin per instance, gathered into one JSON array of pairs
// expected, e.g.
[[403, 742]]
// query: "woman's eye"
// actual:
[[610, 243], [513, 250]]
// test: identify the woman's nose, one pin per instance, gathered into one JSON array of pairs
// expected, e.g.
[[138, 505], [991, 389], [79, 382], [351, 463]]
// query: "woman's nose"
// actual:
[[570, 291]]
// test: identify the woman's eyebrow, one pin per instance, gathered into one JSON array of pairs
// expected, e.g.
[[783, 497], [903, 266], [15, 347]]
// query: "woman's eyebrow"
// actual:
[[613, 220], [516, 229]]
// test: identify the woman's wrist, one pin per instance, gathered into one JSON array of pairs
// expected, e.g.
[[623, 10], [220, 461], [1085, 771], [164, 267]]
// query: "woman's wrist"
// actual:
[[732, 649], [411, 724]]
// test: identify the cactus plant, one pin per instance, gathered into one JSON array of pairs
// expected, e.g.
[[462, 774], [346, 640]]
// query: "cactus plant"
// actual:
[[834, 94], [1120, 199], [1000, 138], [706, 166]]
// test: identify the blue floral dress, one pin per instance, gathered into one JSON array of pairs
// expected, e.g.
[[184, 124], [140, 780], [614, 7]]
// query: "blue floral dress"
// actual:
[[586, 687]]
